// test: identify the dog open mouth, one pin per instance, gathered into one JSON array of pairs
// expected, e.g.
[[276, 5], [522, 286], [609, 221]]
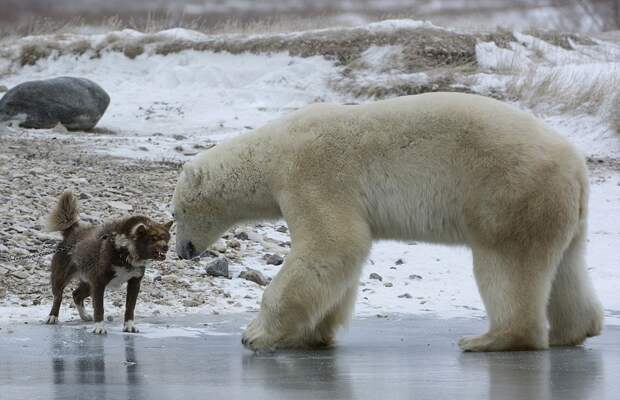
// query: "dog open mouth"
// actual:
[[160, 255]]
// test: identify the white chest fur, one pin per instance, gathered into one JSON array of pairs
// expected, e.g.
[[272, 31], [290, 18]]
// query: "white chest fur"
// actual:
[[123, 274]]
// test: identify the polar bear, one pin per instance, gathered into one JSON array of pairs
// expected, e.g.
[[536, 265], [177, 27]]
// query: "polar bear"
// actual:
[[450, 168]]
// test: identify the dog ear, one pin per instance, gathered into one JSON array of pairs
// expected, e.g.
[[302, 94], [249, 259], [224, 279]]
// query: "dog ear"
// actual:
[[139, 230], [168, 225]]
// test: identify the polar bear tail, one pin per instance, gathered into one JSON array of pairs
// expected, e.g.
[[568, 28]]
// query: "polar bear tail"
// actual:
[[65, 215]]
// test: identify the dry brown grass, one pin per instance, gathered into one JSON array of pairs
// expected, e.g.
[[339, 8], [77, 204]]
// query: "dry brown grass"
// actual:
[[570, 93]]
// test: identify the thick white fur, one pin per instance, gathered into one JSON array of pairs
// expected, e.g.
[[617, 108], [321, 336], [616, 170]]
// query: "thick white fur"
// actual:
[[445, 168]]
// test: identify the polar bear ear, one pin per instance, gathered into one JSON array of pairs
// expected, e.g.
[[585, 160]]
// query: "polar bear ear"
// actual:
[[191, 175]]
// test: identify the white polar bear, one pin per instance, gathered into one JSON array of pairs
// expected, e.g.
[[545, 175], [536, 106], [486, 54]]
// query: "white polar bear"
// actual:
[[447, 168]]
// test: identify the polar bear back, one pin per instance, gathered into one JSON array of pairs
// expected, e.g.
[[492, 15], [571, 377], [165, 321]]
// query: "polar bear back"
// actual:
[[438, 167]]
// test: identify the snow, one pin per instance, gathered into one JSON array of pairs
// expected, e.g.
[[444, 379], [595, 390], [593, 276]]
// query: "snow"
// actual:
[[208, 97], [203, 96]]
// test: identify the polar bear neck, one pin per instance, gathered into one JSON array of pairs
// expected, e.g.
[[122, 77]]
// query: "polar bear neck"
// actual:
[[233, 178]]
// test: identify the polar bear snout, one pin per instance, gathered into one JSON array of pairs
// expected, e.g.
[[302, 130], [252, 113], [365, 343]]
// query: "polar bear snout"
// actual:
[[186, 249]]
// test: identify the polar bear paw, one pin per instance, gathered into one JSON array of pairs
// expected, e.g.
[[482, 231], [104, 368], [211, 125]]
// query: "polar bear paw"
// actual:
[[256, 338], [51, 320], [500, 342]]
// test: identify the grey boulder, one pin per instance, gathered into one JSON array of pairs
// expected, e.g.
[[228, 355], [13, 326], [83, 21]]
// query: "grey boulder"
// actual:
[[218, 267], [77, 103]]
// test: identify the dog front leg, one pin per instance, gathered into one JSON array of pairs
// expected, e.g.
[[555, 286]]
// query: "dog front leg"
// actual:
[[98, 290], [133, 288]]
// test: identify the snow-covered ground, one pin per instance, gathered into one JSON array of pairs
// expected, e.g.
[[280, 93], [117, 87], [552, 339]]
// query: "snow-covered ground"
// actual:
[[172, 106]]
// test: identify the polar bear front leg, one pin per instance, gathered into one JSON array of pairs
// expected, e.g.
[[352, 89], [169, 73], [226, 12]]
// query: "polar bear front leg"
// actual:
[[316, 280]]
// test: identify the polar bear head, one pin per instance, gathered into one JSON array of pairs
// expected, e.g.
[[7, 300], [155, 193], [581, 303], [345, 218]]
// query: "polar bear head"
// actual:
[[200, 217]]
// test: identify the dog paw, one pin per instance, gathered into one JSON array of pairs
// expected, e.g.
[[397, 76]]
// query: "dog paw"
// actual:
[[51, 320], [130, 327], [256, 338], [99, 329]]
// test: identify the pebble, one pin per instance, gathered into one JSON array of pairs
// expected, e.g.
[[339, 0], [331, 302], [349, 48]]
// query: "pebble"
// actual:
[[405, 296], [20, 274], [169, 278], [109, 318], [376, 276], [192, 303], [282, 229], [241, 236], [274, 259], [219, 246], [399, 261], [388, 284], [415, 277], [218, 267], [119, 205], [233, 244], [254, 276]]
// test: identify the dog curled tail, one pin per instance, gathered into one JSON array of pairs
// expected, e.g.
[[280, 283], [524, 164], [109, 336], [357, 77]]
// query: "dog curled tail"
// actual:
[[65, 216]]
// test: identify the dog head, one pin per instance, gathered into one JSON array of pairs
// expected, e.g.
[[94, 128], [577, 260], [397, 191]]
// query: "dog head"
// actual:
[[144, 239]]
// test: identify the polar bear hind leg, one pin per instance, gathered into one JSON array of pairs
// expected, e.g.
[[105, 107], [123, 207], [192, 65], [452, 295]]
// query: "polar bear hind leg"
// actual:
[[314, 292], [574, 311], [515, 288]]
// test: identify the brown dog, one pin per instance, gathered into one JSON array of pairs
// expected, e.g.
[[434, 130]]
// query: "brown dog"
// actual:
[[102, 256]]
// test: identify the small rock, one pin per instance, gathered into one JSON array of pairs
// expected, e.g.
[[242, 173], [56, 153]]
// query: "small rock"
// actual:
[[36, 302], [169, 278], [218, 267], [282, 229], [191, 303], [254, 276], [20, 274], [274, 259], [120, 205], [157, 278], [109, 318], [405, 296], [233, 244], [376, 276], [85, 196], [219, 246], [117, 303], [388, 284], [179, 137], [415, 277], [241, 236], [399, 261]]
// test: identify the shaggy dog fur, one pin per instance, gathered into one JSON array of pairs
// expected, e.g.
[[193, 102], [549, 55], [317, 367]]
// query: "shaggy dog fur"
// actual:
[[100, 257], [441, 167]]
